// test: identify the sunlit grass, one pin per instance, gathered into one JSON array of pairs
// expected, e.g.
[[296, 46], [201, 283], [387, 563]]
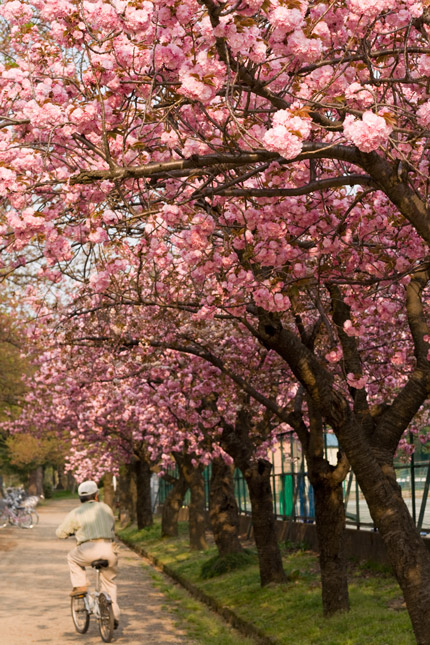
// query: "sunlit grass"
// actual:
[[200, 624], [291, 613]]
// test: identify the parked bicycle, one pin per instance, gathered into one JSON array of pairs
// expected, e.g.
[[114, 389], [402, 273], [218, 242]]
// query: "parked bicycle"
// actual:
[[18, 498], [16, 515], [96, 603]]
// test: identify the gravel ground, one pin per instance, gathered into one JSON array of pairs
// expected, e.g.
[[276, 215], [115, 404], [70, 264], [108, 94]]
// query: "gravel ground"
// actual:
[[35, 603]]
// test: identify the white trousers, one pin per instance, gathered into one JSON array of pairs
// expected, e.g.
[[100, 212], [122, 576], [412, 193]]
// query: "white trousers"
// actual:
[[82, 556]]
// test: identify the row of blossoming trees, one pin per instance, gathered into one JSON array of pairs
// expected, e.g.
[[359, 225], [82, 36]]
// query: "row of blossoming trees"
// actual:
[[233, 198]]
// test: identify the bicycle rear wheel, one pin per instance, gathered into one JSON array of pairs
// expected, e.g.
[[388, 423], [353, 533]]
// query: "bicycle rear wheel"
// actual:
[[24, 519], [4, 518], [106, 620], [80, 615]]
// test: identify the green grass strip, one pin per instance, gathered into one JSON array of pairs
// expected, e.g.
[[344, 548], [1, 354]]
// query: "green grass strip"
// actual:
[[289, 613]]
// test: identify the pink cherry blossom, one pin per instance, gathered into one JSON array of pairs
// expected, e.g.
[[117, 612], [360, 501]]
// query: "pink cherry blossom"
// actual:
[[334, 355], [357, 382], [423, 114], [369, 133]]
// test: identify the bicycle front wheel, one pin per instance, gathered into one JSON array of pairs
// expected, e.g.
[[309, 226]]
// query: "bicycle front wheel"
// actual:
[[106, 620], [80, 615], [24, 519]]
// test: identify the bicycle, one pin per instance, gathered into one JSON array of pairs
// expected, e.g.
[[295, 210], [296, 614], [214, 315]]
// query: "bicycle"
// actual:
[[96, 603], [18, 516], [34, 515]]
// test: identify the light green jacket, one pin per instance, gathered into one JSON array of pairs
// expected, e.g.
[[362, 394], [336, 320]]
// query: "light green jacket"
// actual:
[[90, 521]]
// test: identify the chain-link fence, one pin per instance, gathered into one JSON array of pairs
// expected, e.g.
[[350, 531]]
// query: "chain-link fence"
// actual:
[[293, 494]]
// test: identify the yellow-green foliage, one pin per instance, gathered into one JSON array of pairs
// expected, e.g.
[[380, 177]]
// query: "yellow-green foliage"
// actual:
[[28, 452], [13, 367]]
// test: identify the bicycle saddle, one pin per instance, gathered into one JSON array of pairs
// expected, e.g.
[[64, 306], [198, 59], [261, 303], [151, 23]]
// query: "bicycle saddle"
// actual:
[[99, 564]]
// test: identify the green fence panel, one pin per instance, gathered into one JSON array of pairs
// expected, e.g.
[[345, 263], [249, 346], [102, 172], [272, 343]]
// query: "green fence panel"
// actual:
[[286, 495], [292, 492]]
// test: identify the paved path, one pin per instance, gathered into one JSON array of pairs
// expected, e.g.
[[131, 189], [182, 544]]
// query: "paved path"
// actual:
[[34, 584]]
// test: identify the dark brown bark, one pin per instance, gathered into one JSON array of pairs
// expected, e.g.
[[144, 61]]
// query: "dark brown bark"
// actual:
[[71, 482], [223, 510], [238, 444], [329, 509], [172, 505], [406, 550], [62, 479], [108, 490], [257, 476], [127, 494], [197, 512], [143, 473], [35, 481], [330, 526]]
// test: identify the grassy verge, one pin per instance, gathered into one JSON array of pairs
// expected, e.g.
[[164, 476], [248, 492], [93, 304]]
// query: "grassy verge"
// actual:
[[289, 613], [63, 494], [201, 625], [56, 495]]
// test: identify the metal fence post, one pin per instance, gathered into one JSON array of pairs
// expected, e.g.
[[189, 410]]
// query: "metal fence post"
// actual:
[[237, 489], [412, 477], [357, 502]]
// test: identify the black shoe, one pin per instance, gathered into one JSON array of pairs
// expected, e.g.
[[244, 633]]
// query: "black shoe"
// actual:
[[115, 624]]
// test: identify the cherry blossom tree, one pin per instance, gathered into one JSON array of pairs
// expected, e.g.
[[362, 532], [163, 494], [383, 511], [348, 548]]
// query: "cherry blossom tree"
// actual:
[[167, 402], [270, 156], [95, 417], [246, 435]]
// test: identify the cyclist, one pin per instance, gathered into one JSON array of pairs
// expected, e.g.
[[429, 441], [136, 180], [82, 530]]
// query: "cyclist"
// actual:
[[92, 523]]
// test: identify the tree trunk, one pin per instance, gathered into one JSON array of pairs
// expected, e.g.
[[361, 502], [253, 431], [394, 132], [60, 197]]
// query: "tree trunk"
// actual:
[[71, 482], [257, 476], [237, 443], [223, 511], [143, 489], [193, 476], [62, 479], [330, 526], [406, 550], [127, 494], [410, 560], [108, 490], [369, 438], [172, 505], [35, 482], [197, 514]]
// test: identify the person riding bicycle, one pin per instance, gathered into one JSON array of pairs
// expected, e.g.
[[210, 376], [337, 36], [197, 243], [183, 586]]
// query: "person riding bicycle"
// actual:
[[92, 523]]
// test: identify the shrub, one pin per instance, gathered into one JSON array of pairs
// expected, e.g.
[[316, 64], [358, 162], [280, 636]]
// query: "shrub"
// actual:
[[218, 565]]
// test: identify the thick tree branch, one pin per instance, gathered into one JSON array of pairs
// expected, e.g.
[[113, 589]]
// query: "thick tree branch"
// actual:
[[316, 380], [394, 421], [383, 174], [164, 168], [408, 202], [6, 121], [322, 184], [351, 356], [416, 318]]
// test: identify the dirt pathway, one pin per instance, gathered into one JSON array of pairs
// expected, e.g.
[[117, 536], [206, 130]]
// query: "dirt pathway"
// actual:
[[34, 583]]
